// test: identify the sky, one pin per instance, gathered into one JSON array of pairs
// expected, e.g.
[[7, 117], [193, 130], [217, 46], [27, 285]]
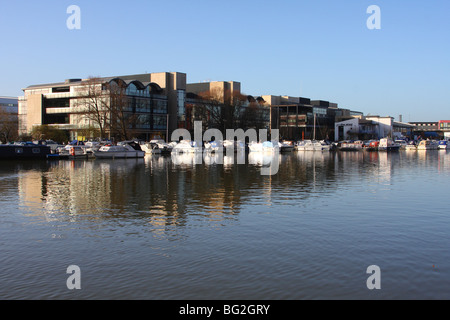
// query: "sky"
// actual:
[[321, 49]]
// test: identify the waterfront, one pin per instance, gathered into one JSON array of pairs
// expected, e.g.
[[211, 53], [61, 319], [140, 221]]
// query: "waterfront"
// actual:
[[165, 228]]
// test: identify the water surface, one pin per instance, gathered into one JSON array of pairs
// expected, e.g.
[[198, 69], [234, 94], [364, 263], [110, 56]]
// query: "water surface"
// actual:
[[171, 228]]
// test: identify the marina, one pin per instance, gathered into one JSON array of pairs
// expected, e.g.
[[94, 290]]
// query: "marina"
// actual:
[[188, 226]]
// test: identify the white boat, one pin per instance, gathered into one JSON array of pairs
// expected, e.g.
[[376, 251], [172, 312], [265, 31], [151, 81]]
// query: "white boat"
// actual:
[[92, 145], [326, 146], [351, 146], [286, 146], [427, 145], [402, 144], [237, 146], [150, 148], [119, 151], [187, 146], [72, 152], [387, 144], [214, 146], [165, 147], [444, 145], [411, 146], [308, 145], [266, 146]]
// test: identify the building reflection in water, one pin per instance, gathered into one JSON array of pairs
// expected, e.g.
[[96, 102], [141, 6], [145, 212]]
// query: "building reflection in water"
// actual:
[[167, 192]]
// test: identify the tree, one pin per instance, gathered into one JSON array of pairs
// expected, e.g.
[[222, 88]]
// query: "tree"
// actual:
[[122, 112], [45, 132], [93, 102], [109, 108], [8, 126], [222, 109]]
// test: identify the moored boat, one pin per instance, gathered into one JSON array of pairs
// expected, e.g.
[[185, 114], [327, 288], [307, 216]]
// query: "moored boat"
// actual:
[[444, 145], [309, 145], [386, 144], [411, 146], [24, 151], [351, 146], [119, 151], [427, 145], [286, 146], [214, 146], [187, 146], [266, 146]]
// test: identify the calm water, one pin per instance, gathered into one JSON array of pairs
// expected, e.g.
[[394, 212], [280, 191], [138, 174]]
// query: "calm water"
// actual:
[[166, 228]]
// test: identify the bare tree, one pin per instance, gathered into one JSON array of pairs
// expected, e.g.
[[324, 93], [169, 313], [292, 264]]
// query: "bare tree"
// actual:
[[8, 126], [222, 109], [122, 110], [93, 102]]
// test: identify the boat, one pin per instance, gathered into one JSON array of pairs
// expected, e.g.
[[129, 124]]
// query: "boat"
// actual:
[[266, 146], [444, 145], [309, 145], [326, 146], [237, 146], [286, 146], [72, 152], [411, 146], [90, 146], [214, 146], [166, 148], [24, 151], [150, 148], [123, 150], [187, 146], [387, 144], [350, 146], [427, 145], [373, 146], [402, 144]]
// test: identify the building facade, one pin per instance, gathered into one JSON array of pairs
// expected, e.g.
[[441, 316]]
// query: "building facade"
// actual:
[[299, 118], [8, 119], [371, 127], [146, 105]]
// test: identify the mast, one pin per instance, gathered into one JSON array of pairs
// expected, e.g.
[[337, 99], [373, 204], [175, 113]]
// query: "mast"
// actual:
[[314, 124]]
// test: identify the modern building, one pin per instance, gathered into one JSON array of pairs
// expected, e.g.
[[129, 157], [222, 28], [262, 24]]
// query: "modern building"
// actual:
[[8, 118], [222, 105], [151, 104], [371, 127], [300, 118], [426, 129], [444, 127]]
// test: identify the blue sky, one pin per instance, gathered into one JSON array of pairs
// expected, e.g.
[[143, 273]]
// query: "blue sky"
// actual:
[[318, 49]]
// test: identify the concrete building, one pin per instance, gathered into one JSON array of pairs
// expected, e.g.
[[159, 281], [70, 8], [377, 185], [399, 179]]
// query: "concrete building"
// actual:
[[157, 100], [207, 102], [300, 118]]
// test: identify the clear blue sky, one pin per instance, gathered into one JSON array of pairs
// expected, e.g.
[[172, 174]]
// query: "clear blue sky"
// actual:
[[317, 49]]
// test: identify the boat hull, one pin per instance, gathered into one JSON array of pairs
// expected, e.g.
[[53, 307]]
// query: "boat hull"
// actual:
[[18, 152], [119, 155]]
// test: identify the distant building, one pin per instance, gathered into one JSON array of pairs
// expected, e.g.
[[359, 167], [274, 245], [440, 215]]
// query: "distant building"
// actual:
[[371, 127], [444, 127], [300, 118], [426, 129], [8, 118]]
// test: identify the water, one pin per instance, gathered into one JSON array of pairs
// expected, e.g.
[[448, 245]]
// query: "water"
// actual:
[[165, 228]]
